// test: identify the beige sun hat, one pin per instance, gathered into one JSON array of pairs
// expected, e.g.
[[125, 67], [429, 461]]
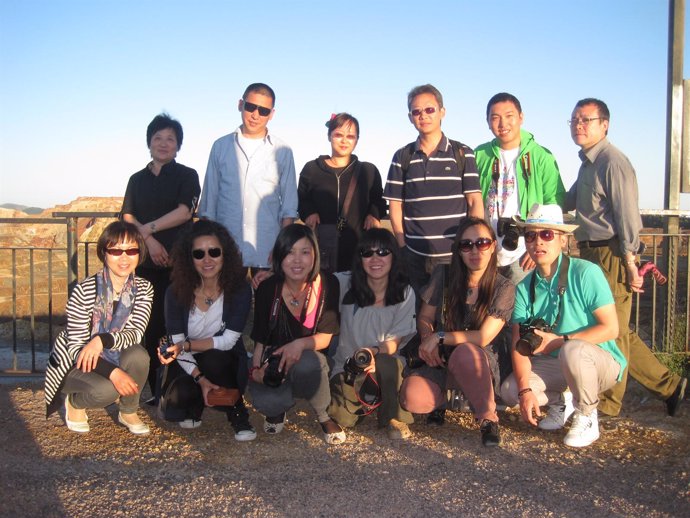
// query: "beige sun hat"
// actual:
[[545, 216]]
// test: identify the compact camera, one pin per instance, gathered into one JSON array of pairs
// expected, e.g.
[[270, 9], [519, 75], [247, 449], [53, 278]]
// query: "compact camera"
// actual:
[[509, 231], [272, 376], [163, 344], [356, 364], [529, 340]]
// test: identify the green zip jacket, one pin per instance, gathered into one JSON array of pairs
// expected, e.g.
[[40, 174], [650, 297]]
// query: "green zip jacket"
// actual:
[[544, 186]]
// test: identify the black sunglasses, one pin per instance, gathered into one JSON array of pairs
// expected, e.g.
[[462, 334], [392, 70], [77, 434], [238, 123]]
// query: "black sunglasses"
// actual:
[[199, 254], [251, 108], [117, 252], [546, 235], [482, 244], [381, 252]]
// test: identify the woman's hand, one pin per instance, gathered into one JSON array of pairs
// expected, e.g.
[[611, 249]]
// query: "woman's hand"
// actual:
[[88, 356], [371, 368], [312, 221], [173, 352], [157, 252], [371, 222], [258, 374], [206, 386], [529, 408], [527, 263], [260, 276], [124, 383], [428, 351], [289, 355]]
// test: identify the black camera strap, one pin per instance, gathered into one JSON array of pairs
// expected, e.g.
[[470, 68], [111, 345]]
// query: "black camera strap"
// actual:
[[342, 217], [526, 162], [562, 286]]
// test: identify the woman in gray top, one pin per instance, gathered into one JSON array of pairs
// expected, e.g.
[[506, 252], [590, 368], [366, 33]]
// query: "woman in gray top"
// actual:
[[376, 319]]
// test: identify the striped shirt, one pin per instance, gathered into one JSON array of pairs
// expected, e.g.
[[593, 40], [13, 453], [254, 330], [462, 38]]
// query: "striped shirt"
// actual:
[[432, 193], [77, 333]]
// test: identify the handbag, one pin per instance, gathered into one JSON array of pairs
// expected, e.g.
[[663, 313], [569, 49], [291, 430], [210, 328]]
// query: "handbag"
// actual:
[[223, 396]]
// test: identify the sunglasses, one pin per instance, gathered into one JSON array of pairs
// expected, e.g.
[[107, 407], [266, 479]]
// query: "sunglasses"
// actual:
[[546, 235], [117, 252], [199, 254], [381, 252], [251, 108], [482, 244], [418, 111]]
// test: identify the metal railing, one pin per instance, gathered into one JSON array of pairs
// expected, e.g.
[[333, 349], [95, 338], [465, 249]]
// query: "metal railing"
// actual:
[[36, 281]]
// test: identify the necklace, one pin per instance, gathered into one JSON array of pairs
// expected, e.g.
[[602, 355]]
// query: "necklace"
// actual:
[[208, 300], [470, 290], [294, 300]]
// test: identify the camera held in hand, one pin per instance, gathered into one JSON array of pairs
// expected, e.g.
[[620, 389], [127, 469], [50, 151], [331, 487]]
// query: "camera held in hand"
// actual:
[[529, 340], [273, 377], [444, 351], [509, 231], [163, 344], [355, 365]]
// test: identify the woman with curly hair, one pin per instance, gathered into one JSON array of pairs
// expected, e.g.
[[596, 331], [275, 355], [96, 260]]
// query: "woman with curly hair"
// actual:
[[206, 307], [461, 349]]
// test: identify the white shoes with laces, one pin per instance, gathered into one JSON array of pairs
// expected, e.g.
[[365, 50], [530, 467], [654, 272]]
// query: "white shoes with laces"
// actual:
[[558, 414], [583, 431]]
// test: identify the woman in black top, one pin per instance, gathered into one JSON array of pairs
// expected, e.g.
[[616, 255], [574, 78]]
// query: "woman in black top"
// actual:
[[160, 201], [295, 316], [323, 187]]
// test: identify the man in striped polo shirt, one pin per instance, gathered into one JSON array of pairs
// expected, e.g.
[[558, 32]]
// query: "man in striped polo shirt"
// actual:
[[432, 184]]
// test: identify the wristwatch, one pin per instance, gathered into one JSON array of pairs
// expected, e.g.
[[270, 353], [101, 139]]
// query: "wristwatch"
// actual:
[[441, 335], [198, 377], [152, 226]]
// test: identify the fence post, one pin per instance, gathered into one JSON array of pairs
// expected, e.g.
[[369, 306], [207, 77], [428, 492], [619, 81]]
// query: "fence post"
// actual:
[[72, 253]]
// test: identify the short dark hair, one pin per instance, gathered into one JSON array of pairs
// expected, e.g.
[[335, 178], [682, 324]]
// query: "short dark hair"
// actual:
[[424, 89], [375, 238], [340, 120], [287, 237], [601, 106], [503, 97], [184, 277], [161, 122], [119, 232], [260, 88]]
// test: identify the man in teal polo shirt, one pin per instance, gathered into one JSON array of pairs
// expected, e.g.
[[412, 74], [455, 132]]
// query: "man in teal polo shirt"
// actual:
[[578, 351]]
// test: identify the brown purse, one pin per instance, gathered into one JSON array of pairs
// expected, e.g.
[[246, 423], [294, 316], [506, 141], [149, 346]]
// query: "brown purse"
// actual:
[[223, 396]]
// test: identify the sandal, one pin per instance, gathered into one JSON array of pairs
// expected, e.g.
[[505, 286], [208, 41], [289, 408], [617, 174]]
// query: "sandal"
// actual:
[[332, 432]]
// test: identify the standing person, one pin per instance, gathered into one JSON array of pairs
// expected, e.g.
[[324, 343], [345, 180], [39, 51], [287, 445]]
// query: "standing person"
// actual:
[[606, 200], [97, 359], [515, 173], [475, 307], [295, 316], [564, 326], [250, 184], [206, 308], [432, 184], [377, 309], [160, 201], [337, 209]]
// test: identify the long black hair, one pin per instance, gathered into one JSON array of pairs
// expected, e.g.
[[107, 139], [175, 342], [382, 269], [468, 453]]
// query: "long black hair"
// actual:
[[376, 238], [458, 280]]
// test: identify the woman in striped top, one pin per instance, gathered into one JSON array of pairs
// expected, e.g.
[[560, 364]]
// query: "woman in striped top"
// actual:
[[97, 359]]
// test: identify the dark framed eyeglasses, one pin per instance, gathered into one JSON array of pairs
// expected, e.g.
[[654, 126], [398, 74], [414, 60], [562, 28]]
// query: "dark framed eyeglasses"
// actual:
[[546, 235], [117, 252], [418, 111], [199, 254], [585, 121], [251, 108], [482, 244], [381, 252]]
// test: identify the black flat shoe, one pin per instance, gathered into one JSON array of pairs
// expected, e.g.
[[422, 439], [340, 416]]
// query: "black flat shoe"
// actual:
[[673, 403], [490, 433], [437, 417]]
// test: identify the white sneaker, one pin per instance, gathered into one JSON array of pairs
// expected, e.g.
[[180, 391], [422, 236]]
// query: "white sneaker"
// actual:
[[584, 430], [558, 414], [190, 423]]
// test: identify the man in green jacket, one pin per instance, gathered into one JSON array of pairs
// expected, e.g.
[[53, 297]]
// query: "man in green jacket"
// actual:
[[515, 173]]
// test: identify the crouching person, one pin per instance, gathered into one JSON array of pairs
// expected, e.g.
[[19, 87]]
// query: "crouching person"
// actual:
[[376, 319], [564, 330]]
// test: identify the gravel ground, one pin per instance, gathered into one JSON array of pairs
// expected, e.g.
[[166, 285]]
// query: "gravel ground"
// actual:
[[642, 468]]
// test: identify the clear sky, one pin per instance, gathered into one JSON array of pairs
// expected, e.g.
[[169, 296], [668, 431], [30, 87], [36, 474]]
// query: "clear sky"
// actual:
[[82, 79]]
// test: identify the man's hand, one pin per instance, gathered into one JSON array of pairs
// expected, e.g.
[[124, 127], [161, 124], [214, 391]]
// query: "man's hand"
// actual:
[[312, 221], [549, 343], [260, 276], [158, 253], [123, 382], [633, 278], [371, 222], [529, 408]]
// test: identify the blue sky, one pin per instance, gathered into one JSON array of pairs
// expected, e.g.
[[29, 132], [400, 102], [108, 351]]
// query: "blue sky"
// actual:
[[82, 79]]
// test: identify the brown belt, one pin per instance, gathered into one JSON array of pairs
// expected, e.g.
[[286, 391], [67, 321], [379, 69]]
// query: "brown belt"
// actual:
[[594, 244]]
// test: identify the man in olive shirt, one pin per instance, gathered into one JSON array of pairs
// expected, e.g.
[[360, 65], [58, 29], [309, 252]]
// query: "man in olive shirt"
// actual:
[[606, 199]]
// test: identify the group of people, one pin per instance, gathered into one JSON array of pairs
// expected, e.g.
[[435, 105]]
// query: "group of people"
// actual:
[[471, 291]]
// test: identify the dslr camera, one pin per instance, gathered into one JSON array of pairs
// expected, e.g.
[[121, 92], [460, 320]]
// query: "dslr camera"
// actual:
[[444, 351], [529, 340], [163, 344], [355, 365], [272, 376], [509, 231]]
